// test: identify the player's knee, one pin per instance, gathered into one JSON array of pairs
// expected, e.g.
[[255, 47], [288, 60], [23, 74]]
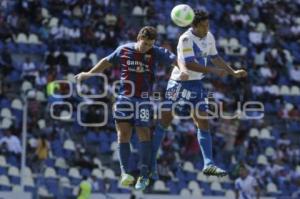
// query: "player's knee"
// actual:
[[144, 136], [123, 138]]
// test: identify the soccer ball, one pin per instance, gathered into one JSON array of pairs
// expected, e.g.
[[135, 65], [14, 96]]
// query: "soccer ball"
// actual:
[[182, 15]]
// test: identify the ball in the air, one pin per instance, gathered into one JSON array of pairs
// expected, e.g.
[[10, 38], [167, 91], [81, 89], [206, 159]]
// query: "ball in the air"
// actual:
[[182, 15]]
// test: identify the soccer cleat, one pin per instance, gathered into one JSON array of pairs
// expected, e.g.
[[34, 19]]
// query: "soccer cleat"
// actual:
[[141, 183], [126, 179], [212, 170]]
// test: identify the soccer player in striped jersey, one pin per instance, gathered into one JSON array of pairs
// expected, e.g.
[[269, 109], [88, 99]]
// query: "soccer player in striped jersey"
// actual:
[[246, 186], [195, 47], [138, 62]]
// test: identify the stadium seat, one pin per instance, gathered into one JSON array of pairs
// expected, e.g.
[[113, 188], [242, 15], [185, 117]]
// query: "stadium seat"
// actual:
[[50, 173], [284, 90], [64, 181], [26, 85], [193, 185], [17, 188], [261, 159], [69, 145], [160, 186], [196, 193], [65, 115], [14, 174], [261, 27], [223, 42], [3, 163], [74, 173], [61, 163], [109, 173], [41, 123], [274, 89], [189, 167], [272, 189], [269, 152], [6, 123], [43, 192], [185, 193], [53, 22], [254, 132], [201, 177], [97, 173], [21, 38], [17, 104], [114, 146], [295, 91], [28, 181], [71, 77], [265, 134], [40, 96], [229, 194], [213, 179], [6, 113], [94, 58], [79, 57], [137, 11], [45, 13], [33, 39], [97, 162], [71, 58], [28, 172], [115, 156]]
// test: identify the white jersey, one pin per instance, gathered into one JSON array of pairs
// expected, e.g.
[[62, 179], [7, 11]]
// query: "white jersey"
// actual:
[[191, 48], [246, 187]]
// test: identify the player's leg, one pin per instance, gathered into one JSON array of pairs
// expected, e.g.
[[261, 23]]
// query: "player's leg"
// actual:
[[124, 130], [145, 157], [123, 119], [205, 143], [159, 132]]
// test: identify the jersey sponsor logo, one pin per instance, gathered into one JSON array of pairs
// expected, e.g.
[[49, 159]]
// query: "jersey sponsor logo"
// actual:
[[137, 66], [187, 50]]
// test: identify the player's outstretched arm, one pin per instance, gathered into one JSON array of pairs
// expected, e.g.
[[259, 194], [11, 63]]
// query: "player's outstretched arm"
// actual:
[[219, 62], [98, 68], [193, 66]]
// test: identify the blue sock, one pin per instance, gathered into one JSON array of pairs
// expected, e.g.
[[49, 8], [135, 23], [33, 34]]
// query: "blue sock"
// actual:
[[159, 133], [145, 157], [124, 154], [205, 143]]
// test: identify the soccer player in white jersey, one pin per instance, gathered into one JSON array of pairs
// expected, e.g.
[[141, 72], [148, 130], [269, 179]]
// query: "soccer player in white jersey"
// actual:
[[246, 186], [195, 47]]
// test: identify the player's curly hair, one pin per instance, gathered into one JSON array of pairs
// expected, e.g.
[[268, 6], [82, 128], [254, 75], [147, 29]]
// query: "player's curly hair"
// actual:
[[200, 15], [147, 32]]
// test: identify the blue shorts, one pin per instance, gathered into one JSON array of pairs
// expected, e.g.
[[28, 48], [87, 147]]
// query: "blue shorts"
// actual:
[[185, 96], [134, 110]]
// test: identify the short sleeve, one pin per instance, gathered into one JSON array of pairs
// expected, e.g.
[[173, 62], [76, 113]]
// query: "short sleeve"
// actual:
[[185, 50], [114, 57], [237, 185], [165, 56], [213, 49], [254, 182]]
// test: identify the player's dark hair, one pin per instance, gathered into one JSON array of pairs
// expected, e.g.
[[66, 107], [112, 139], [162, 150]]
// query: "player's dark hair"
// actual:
[[200, 15], [147, 32]]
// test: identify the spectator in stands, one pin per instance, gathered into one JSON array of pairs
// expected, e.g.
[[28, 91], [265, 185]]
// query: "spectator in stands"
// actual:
[[11, 143], [294, 72], [41, 153], [86, 61], [29, 70], [85, 189], [246, 186], [164, 170], [63, 63]]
